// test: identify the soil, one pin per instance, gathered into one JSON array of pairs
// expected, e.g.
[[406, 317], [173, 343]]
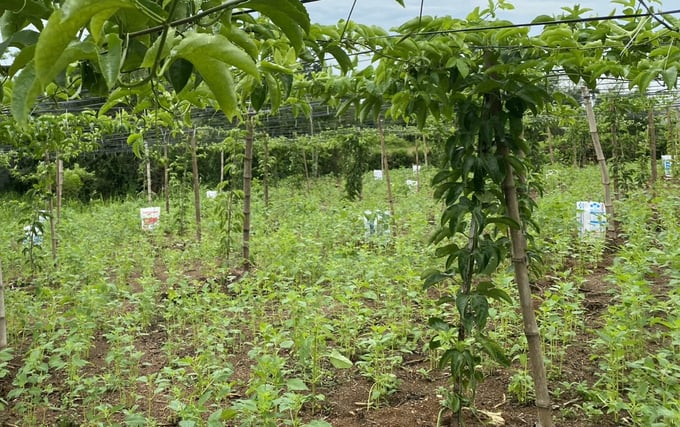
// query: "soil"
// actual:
[[416, 403]]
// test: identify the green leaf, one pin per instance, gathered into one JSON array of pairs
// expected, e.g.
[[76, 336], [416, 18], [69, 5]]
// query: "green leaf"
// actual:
[[494, 350], [111, 61], [61, 29], [197, 47], [179, 73], [503, 220], [340, 56], [317, 423], [273, 90], [296, 384], [289, 15], [338, 360], [670, 77], [438, 324], [209, 54], [20, 40], [434, 278], [489, 290], [274, 68], [26, 91], [152, 10], [136, 140]]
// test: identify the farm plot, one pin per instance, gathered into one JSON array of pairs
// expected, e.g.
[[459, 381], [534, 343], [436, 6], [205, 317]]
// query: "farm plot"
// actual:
[[330, 327]]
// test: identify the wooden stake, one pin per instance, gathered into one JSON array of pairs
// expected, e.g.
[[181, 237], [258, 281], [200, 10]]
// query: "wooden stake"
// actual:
[[60, 185], [148, 171], [166, 173], [265, 173], [520, 264], [247, 184], [3, 319], [50, 209], [197, 187], [417, 168], [604, 173], [651, 131]]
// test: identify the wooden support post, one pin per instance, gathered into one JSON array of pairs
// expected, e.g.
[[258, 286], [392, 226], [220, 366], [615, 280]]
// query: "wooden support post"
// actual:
[[197, 186], [247, 184]]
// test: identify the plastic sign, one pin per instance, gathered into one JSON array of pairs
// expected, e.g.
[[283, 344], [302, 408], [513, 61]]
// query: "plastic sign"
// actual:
[[667, 162], [150, 217], [211, 194], [377, 174], [591, 217]]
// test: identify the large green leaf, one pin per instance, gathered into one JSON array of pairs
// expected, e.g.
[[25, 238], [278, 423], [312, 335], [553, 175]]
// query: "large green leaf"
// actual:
[[340, 56], [179, 73], [338, 360], [111, 61], [26, 90], [20, 39], [212, 56], [197, 47], [289, 15], [62, 27], [219, 79]]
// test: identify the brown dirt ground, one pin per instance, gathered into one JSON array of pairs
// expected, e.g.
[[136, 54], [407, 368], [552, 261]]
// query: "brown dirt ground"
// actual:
[[414, 404]]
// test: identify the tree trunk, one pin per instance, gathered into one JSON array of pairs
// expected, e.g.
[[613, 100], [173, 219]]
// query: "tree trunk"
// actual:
[[247, 183], [386, 173], [608, 205], [3, 319], [551, 149], [651, 130], [197, 186]]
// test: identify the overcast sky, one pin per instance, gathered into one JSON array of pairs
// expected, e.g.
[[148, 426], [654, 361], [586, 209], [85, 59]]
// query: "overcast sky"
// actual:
[[388, 13]]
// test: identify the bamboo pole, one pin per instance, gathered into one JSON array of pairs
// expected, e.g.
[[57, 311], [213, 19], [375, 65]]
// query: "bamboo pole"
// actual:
[[166, 174], [425, 150], [197, 187], [265, 173], [651, 131], [50, 208], [148, 172], [222, 165], [521, 270], [60, 186], [247, 184], [3, 318], [417, 167], [604, 172], [520, 262]]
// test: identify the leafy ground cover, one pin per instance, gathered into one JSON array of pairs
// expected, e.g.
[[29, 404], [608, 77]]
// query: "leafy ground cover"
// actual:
[[330, 328]]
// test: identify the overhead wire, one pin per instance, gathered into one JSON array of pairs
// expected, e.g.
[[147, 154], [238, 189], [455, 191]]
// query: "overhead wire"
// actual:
[[347, 21], [656, 18]]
